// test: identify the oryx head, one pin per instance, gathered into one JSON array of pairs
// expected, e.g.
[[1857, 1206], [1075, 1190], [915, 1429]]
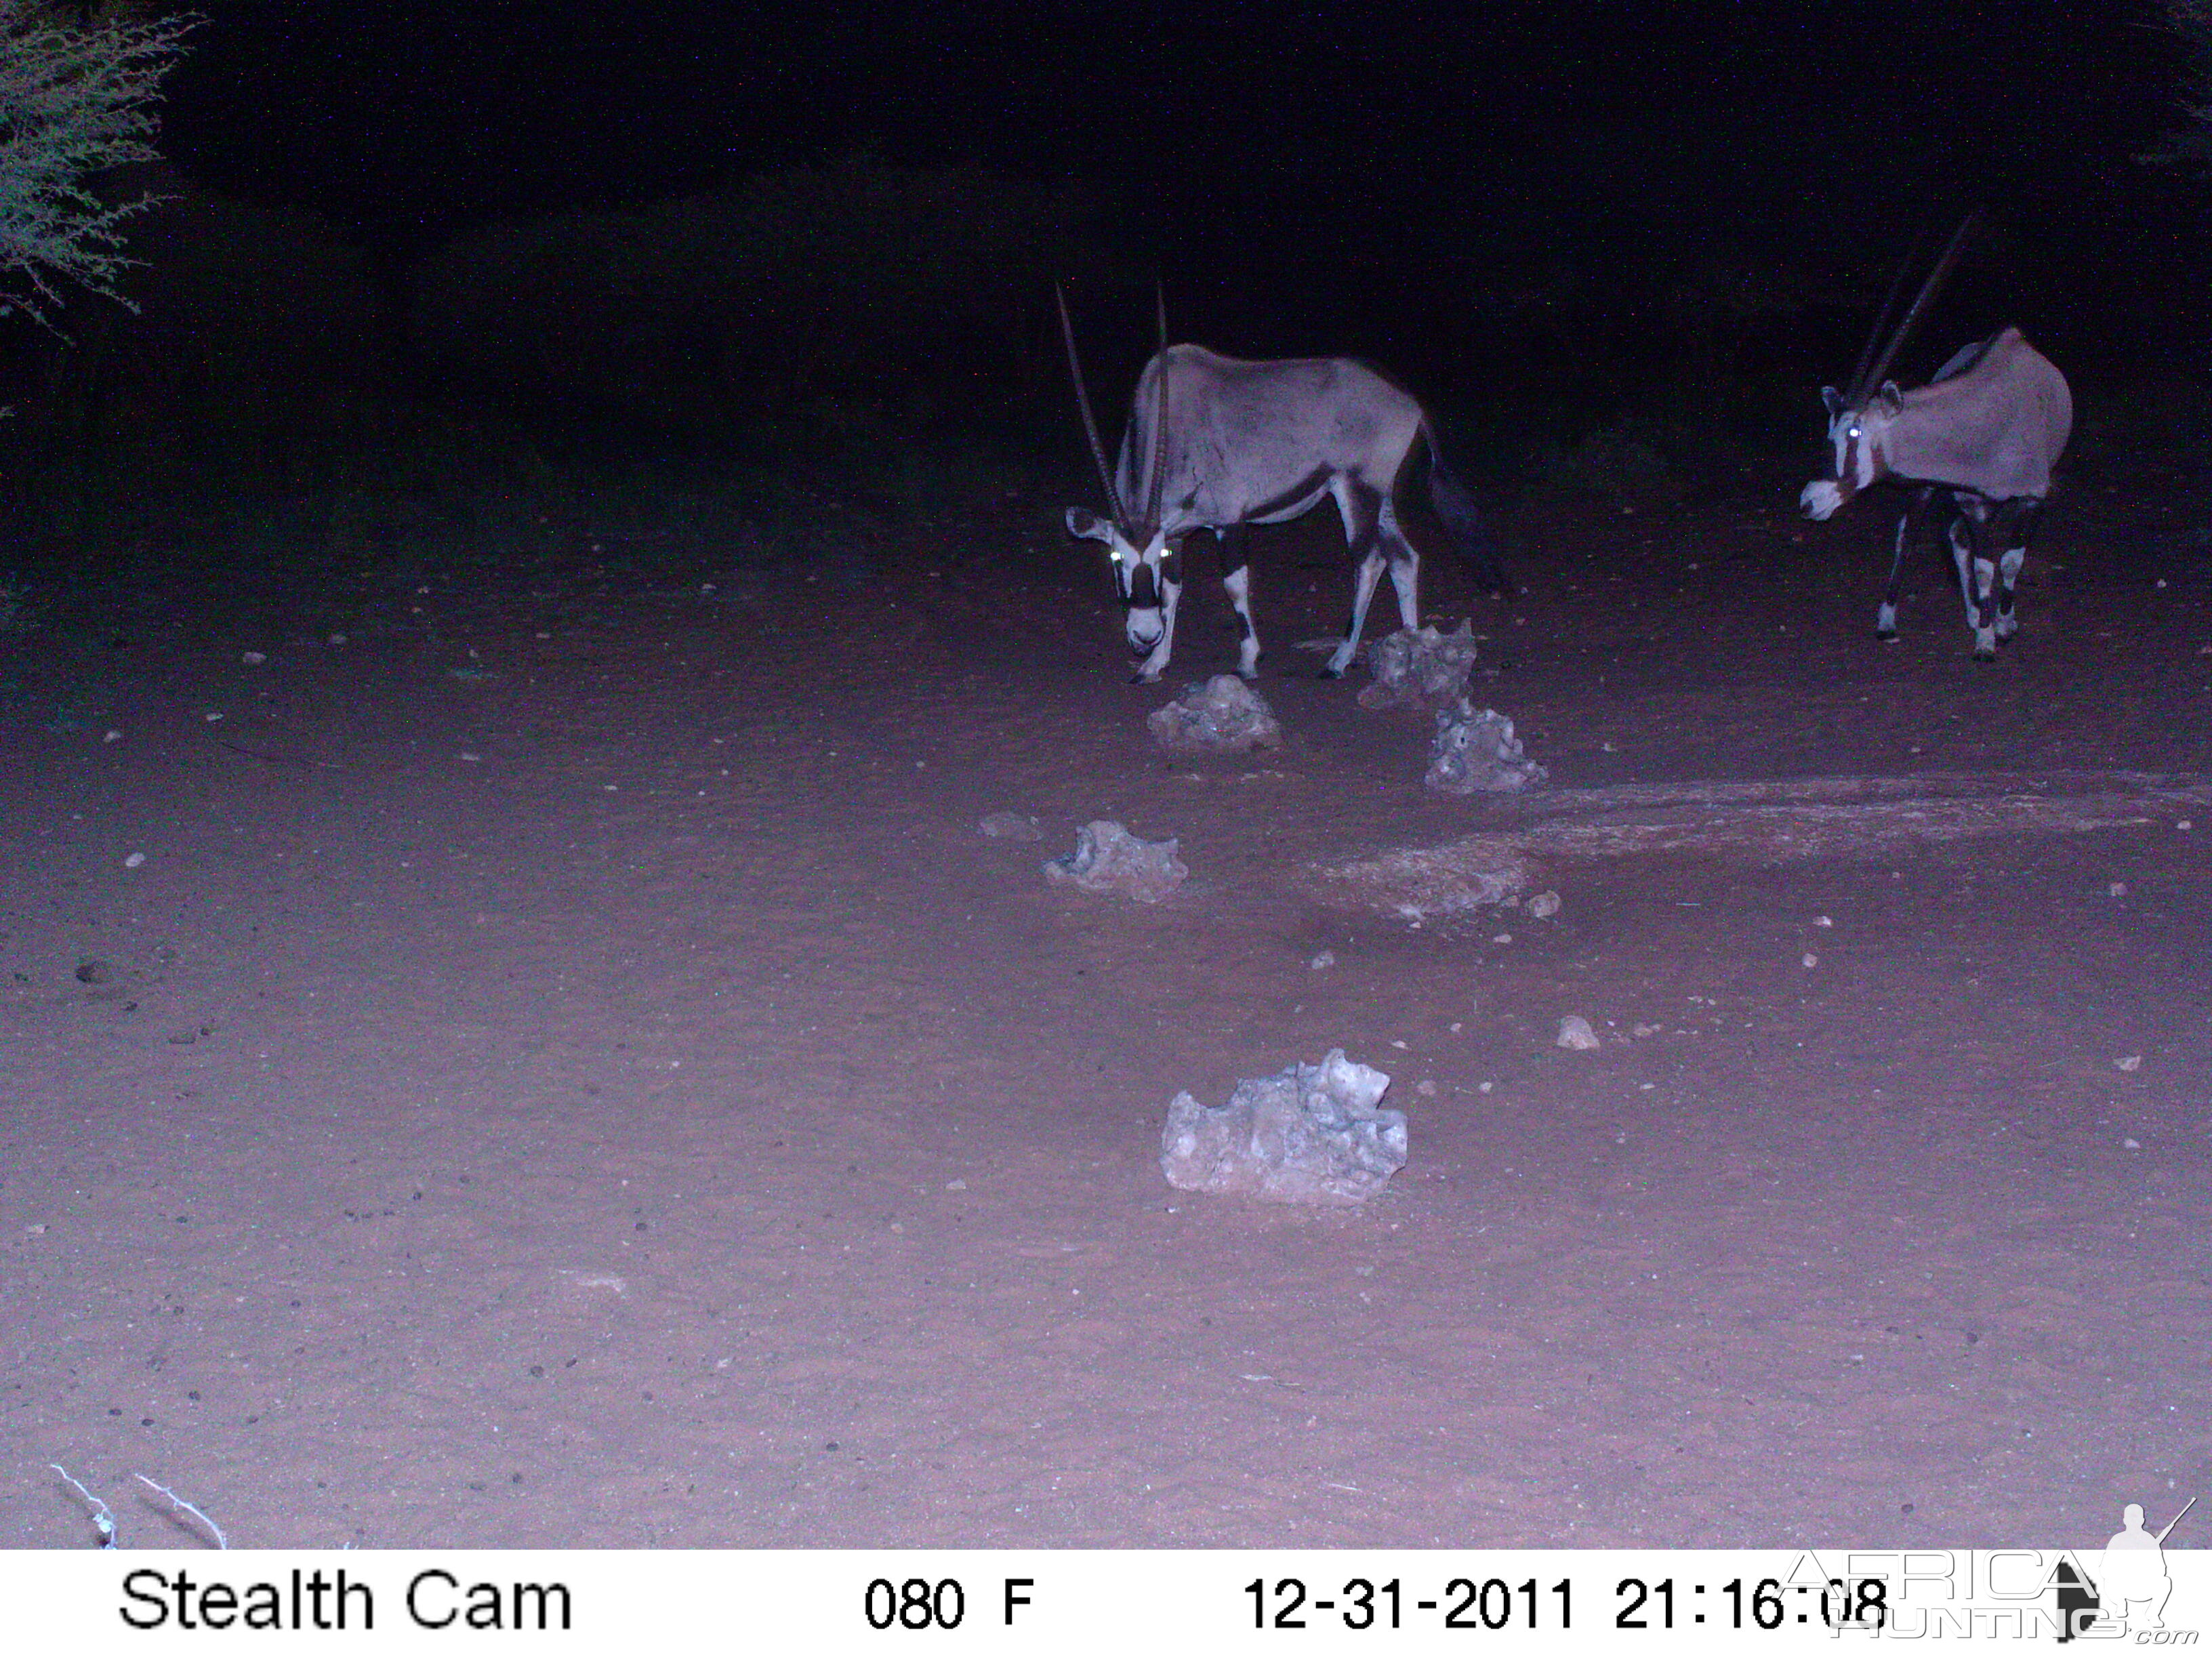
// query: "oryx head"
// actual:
[[1859, 420], [1144, 567]]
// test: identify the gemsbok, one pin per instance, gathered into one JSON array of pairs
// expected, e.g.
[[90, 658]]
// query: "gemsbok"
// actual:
[[1219, 443], [1981, 438]]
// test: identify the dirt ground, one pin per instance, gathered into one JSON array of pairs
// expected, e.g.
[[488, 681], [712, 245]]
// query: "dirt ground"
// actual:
[[567, 1070]]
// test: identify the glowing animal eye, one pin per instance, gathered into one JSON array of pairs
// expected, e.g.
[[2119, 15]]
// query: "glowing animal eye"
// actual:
[[1853, 433]]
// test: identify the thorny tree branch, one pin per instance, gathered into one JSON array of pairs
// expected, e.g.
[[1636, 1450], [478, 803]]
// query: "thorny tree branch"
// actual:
[[74, 102]]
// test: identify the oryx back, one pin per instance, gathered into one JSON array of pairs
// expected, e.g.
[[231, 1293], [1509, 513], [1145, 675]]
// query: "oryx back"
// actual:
[[1995, 428], [1262, 442]]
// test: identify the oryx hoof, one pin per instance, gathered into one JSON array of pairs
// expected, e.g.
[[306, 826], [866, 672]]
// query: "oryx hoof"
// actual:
[[1985, 648], [1331, 671]]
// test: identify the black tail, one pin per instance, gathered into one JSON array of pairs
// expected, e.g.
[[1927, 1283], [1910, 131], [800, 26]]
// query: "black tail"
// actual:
[[1469, 530]]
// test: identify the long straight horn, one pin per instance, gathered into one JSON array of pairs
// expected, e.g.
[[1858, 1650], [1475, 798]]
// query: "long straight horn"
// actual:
[[1157, 474], [1928, 291], [1090, 420], [1857, 382]]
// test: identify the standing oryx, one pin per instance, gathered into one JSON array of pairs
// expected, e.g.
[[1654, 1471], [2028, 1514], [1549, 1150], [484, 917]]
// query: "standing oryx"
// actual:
[[1982, 437], [1218, 443]]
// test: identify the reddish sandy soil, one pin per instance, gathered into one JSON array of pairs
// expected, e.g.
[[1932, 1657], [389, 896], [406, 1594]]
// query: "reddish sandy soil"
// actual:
[[568, 1070]]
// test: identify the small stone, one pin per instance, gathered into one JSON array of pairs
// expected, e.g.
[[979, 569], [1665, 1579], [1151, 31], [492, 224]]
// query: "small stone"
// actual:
[[2131, 1144], [1822, 922], [92, 971], [956, 1185], [1810, 960], [213, 716], [1484, 1088], [1322, 959], [1543, 905], [253, 658], [2130, 1062], [2117, 889], [1501, 939], [1646, 1030], [1575, 1033], [113, 737], [133, 861], [1010, 826], [1426, 1087], [338, 639]]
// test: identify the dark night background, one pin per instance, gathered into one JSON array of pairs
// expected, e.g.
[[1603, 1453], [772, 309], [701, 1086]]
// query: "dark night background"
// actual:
[[1639, 236]]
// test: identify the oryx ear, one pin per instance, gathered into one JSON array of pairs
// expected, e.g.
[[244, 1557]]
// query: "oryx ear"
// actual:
[[1833, 399], [1088, 526], [1892, 400]]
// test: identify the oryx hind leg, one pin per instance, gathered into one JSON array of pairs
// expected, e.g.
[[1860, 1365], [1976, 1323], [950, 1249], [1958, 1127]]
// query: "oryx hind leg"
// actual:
[[1360, 507], [2018, 524], [1978, 572], [1404, 563]]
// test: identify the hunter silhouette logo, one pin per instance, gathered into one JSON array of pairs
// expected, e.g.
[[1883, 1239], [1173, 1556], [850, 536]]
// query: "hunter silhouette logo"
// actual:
[[2131, 1584]]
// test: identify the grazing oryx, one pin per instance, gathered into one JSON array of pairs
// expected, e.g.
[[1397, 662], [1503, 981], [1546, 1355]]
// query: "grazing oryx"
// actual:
[[1981, 437], [1216, 443]]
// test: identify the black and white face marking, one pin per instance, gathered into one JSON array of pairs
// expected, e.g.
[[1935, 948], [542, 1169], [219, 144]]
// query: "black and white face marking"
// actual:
[[1147, 579], [1856, 435]]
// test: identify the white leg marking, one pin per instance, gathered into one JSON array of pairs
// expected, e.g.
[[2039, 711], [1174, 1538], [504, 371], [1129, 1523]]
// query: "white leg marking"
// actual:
[[1238, 585]]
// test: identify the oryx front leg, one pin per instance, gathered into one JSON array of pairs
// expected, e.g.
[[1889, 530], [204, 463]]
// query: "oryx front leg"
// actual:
[[1908, 523], [1156, 660]]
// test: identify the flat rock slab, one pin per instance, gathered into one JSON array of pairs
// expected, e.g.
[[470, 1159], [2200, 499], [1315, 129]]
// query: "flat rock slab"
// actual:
[[1775, 822]]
